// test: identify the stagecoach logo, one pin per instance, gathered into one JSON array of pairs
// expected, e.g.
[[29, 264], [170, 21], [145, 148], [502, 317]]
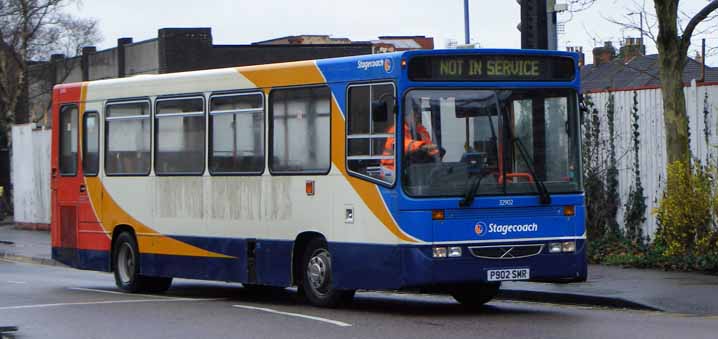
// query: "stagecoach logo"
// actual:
[[366, 65], [387, 65], [480, 228]]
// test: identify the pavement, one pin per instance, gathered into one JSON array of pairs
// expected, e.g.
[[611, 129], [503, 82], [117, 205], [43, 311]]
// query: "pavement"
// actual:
[[607, 286], [25, 246]]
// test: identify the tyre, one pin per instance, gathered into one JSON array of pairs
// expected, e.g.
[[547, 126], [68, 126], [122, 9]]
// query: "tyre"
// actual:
[[126, 263], [317, 277], [475, 295]]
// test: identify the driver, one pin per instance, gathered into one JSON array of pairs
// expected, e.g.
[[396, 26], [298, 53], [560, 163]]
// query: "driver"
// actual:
[[418, 141]]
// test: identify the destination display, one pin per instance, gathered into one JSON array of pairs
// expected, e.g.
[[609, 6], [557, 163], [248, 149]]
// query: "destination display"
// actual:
[[491, 68]]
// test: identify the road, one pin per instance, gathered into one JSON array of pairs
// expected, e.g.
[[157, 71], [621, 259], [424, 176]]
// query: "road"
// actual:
[[59, 302]]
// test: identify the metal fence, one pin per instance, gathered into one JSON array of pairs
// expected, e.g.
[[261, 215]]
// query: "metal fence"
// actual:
[[652, 157]]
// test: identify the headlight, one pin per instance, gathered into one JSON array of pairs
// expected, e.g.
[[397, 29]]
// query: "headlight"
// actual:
[[568, 246], [554, 247], [439, 252], [454, 252]]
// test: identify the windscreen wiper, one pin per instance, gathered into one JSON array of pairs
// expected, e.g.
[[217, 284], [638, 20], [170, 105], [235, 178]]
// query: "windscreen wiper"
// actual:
[[544, 196], [473, 187]]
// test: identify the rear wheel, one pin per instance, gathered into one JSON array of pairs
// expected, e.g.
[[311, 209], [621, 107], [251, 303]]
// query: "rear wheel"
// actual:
[[126, 263], [475, 295], [317, 277]]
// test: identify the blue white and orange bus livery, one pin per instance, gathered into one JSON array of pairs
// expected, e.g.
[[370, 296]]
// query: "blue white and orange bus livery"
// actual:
[[290, 174]]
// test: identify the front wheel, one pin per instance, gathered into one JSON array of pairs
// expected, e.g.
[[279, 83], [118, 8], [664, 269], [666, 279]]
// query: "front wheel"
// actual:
[[126, 263], [317, 277], [475, 295]]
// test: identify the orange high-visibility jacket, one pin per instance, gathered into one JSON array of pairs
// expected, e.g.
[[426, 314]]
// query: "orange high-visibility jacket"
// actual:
[[410, 144]]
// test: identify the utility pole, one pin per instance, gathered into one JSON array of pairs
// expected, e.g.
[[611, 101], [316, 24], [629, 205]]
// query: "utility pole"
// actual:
[[467, 40], [640, 14], [539, 23], [533, 25]]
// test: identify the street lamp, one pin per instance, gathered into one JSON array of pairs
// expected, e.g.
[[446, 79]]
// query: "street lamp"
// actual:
[[466, 22]]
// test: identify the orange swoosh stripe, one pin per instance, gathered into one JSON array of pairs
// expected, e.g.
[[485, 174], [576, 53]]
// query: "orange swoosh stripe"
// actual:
[[305, 73], [112, 215]]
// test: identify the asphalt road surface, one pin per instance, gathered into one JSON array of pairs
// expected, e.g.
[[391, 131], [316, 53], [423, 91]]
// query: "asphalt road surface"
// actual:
[[58, 302]]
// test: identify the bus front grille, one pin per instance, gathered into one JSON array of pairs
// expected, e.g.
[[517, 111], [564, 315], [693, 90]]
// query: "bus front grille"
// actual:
[[506, 252]]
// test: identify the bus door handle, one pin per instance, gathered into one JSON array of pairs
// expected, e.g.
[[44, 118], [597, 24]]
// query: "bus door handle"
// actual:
[[82, 188]]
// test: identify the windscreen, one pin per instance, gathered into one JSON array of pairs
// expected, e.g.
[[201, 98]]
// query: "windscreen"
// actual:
[[509, 140]]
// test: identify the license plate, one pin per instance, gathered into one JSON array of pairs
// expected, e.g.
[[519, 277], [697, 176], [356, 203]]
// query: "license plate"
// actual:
[[508, 274]]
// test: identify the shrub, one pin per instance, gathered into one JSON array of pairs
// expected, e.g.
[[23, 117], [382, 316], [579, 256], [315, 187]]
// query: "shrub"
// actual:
[[684, 212], [635, 208]]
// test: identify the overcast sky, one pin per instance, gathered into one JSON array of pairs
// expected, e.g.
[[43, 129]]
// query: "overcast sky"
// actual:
[[493, 22]]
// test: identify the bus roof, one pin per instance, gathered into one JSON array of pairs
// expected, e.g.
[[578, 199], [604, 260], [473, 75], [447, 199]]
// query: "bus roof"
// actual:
[[353, 68]]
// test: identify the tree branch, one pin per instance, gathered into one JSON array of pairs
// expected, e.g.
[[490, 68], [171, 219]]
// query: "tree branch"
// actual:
[[697, 19]]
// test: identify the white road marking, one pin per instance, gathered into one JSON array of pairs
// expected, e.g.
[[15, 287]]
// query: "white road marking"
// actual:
[[16, 282], [120, 293], [21, 307], [269, 310]]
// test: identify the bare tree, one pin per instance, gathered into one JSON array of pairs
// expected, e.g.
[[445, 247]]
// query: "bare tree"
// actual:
[[67, 38], [579, 5], [672, 56], [665, 27], [30, 31]]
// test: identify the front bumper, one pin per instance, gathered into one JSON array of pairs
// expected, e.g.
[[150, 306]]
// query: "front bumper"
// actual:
[[420, 269]]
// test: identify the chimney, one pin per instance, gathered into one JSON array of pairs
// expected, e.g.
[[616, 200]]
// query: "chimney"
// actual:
[[632, 47], [581, 55], [184, 49], [55, 60], [86, 53], [605, 54], [121, 56]]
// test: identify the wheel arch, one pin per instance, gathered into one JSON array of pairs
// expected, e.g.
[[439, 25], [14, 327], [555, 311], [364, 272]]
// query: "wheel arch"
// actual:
[[119, 229], [300, 244]]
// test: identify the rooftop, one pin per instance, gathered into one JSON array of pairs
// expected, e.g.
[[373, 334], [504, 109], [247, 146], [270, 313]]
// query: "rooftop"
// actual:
[[641, 71]]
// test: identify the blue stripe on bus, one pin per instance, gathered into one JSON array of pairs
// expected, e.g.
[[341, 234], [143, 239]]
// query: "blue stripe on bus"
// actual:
[[355, 266], [272, 264], [204, 268], [83, 259]]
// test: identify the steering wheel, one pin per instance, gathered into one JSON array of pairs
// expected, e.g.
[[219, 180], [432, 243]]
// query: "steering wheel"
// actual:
[[421, 156]]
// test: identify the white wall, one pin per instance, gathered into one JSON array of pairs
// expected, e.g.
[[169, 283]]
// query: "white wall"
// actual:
[[30, 173], [652, 155]]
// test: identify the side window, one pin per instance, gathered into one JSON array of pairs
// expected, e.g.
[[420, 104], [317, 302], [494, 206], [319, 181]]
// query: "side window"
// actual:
[[127, 138], [371, 132], [68, 140], [90, 144], [179, 137], [300, 128], [236, 134]]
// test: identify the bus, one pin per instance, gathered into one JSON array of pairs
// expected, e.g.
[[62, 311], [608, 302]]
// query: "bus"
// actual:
[[289, 174]]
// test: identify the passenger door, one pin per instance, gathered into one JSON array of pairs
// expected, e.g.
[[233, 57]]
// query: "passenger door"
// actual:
[[66, 177], [90, 233]]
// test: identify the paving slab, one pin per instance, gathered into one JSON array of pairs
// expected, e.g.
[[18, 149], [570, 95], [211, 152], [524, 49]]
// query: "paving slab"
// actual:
[[678, 292], [25, 245]]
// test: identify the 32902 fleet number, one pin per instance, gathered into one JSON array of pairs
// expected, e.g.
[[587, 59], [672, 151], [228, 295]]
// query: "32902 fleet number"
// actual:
[[506, 202]]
